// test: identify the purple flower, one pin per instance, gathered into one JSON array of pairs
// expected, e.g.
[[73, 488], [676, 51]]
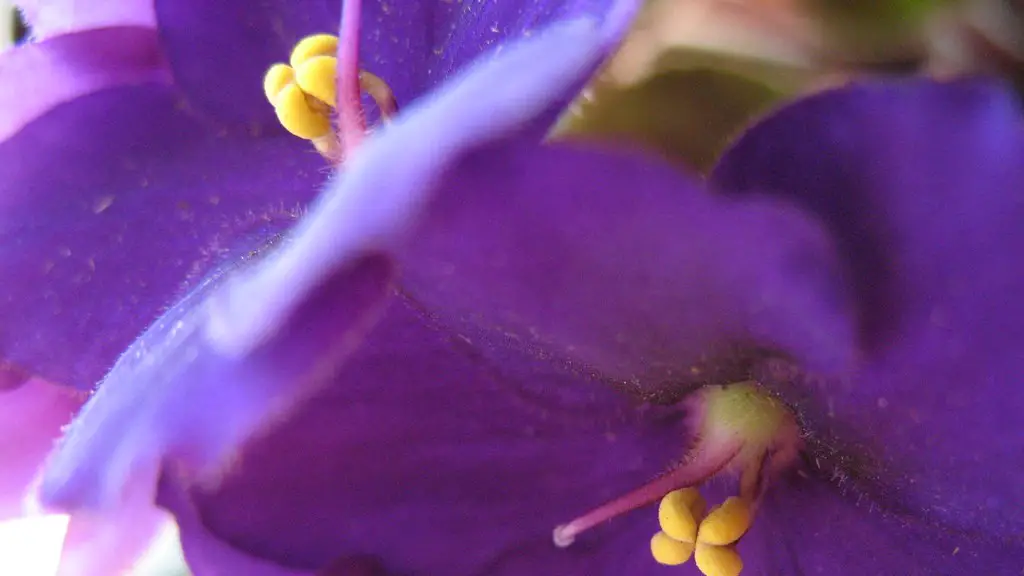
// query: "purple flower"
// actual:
[[472, 339], [139, 154]]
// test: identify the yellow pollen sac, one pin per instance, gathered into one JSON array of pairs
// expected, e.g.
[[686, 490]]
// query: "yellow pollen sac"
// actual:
[[298, 117], [718, 560], [317, 77], [276, 78], [679, 513], [726, 523], [670, 552], [315, 45]]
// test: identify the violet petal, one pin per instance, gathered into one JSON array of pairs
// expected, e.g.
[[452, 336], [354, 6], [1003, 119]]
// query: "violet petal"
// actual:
[[441, 458], [919, 182], [621, 264], [117, 203]]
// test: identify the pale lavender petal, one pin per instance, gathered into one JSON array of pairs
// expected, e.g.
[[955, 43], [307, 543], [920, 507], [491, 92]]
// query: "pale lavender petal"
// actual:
[[32, 416], [40, 76], [48, 18]]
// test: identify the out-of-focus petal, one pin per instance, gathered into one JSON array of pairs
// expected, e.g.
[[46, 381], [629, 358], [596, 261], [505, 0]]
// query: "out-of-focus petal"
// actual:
[[206, 553], [52, 17], [920, 183], [219, 52], [414, 46], [30, 546], [112, 543], [115, 204], [622, 265], [176, 396], [32, 416], [426, 454], [43, 75]]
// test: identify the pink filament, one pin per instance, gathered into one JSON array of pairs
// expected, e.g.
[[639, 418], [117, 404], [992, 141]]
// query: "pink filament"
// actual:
[[351, 124], [705, 463]]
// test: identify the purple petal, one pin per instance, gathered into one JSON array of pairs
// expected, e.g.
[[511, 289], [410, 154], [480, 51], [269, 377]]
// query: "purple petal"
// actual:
[[440, 458], [415, 46], [808, 527], [115, 204], [621, 264], [377, 201], [205, 553], [257, 339], [48, 18], [920, 184], [175, 395], [43, 75], [219, 52], [258, 343], [32, 416]]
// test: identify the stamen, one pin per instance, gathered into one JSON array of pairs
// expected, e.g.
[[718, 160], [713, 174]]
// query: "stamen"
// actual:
[[325, 71], [726, 523], [276, 78], [313, 46], [669, 551], [718, 560], [680, 513], [350, 112], [316, 77], [738, 428], [298, 117], [704, 464], [380, 92]]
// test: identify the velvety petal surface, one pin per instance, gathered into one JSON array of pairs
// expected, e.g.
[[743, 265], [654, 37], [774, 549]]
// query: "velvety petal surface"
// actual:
[[438, 458], [48, 18], [42, 75], [622, 265], [807, 526], [112, 206], [919, 182], [219, 52]]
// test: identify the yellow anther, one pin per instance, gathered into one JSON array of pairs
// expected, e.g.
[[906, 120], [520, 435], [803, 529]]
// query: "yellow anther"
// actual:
[[679, 513], [297, 116], [726, 523], [317, 76], [315, 45], [668, 551], [276, 78], [718, 560]]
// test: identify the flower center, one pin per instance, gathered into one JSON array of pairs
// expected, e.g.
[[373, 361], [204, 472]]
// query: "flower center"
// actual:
[[740, 430], [322, 75]]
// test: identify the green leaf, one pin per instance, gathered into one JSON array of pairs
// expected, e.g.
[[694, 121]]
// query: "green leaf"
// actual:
[[687, 116]]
